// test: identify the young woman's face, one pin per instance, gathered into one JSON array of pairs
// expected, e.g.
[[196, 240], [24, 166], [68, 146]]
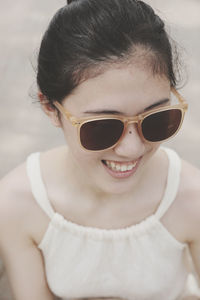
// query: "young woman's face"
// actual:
[[128, 91]]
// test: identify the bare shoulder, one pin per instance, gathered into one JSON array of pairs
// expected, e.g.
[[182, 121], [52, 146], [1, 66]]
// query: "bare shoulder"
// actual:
[[190, 182], [20, 222], [14, 189], [14, 197], [189, 198], [18, 209]]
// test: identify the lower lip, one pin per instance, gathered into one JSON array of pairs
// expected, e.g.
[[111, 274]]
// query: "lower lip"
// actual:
[[120, 174]]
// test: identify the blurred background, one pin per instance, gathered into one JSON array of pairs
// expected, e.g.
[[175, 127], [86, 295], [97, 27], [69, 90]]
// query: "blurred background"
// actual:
[[23, 126]]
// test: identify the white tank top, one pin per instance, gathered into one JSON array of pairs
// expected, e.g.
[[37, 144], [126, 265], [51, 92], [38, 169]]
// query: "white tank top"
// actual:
[[140, 262]]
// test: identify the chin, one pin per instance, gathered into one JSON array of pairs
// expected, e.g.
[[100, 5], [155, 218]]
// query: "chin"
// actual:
[[117, 187]]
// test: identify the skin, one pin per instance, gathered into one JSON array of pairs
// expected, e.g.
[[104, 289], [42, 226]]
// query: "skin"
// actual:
[[99, 202]]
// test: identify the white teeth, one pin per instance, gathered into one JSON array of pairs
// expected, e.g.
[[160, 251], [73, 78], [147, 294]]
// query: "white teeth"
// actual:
[[112, 165], [120, 167], [124, 168], [131, 167]]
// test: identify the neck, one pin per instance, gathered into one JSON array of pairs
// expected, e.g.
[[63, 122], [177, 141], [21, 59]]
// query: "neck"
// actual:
[[85, 186]]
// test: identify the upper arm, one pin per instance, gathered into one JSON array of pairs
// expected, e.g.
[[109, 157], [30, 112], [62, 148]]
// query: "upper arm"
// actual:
[[195, 253], [194, 242], [24, 266], [21, 257], [191, 212]]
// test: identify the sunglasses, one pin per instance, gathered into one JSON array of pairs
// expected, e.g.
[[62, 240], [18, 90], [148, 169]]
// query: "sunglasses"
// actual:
[[104, 132]]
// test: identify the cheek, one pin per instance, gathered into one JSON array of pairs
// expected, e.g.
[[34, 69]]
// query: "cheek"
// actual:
[[71, 135], [80, 156], [154, 149], [150, 151], [89, 163]]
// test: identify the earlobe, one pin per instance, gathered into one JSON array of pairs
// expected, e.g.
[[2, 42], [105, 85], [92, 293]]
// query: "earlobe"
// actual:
[[49, 110]]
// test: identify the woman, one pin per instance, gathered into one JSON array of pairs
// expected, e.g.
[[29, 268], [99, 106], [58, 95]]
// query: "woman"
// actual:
[[105, 215]]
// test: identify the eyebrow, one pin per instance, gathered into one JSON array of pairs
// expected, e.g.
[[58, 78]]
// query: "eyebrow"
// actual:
[[160, 102], [115, 112]]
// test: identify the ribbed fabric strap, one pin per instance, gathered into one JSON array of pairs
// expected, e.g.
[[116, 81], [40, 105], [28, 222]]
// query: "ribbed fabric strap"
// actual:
[[37, 185], [173, 179]]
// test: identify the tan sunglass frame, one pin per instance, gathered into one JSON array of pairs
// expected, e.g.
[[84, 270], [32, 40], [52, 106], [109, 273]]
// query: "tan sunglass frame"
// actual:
[[183, 106]]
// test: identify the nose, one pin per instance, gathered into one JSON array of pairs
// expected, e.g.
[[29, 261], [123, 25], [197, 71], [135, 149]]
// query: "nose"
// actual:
[[131, 144]]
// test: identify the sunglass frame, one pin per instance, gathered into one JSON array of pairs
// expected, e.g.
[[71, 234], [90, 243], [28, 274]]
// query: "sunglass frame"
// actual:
[[138, 119]]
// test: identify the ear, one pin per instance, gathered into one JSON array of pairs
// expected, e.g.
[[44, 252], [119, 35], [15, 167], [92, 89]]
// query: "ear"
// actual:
[[49, 110]]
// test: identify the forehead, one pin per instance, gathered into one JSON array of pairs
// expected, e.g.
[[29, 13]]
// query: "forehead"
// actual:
[[120, 89]]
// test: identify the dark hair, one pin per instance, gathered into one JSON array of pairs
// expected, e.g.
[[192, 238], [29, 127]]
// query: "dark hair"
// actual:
[[87, 35]]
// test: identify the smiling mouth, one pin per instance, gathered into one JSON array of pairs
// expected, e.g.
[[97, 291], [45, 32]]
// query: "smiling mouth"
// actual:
[[119, 166]]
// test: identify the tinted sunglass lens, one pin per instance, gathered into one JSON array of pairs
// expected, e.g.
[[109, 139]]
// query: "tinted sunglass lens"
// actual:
[[161, 125], [100, 134]]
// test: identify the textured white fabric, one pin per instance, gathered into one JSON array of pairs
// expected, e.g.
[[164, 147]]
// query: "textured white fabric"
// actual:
[[173, 179], [37, 185], [143, 261]]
